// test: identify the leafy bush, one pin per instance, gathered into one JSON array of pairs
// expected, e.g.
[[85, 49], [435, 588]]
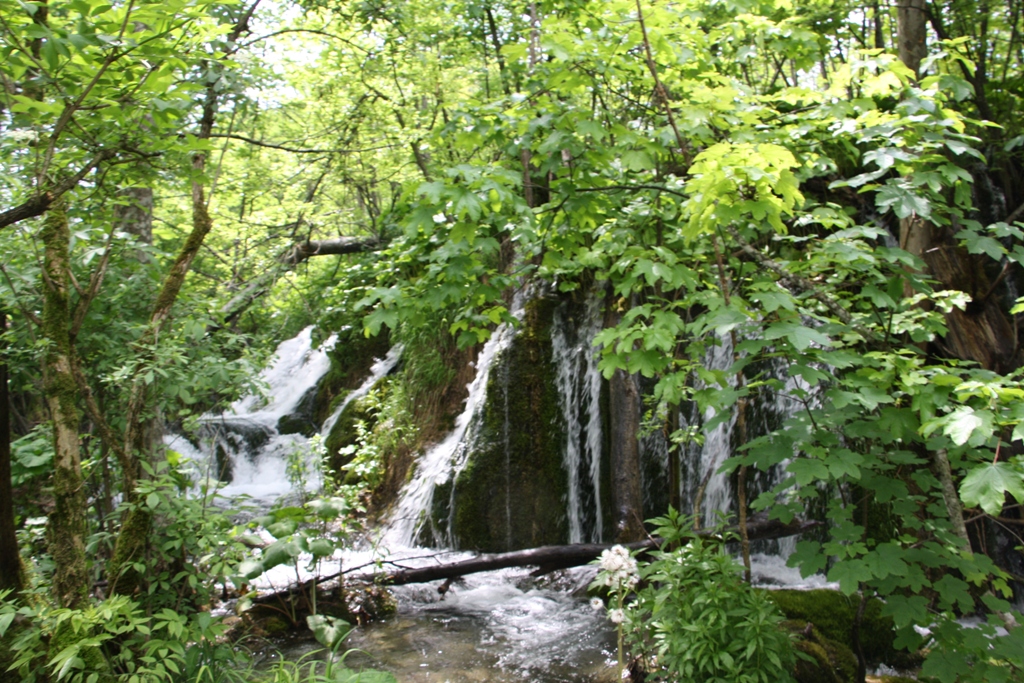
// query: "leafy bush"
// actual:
[[696, 620], [116, 640]]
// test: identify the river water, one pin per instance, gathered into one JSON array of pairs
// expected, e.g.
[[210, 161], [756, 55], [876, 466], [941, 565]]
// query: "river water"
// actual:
[[499, 626]]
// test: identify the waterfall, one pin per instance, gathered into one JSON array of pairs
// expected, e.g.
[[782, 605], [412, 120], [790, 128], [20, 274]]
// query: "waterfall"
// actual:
[[579, 388], [445, 460], [378, 370], [244, 445]]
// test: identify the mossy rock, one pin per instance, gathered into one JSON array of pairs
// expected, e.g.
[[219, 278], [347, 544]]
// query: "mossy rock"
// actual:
[[833, 614], [344, 432], [351, 359], [511, 493], [300, 420], [824, 660]]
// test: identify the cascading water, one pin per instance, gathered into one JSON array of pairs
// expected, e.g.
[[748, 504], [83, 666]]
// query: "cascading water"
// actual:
[[444, 461], [244, 446], [579, 388], [378, 370]]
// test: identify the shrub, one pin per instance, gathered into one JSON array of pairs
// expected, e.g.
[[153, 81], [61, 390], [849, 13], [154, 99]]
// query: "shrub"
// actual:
[[698, 621]]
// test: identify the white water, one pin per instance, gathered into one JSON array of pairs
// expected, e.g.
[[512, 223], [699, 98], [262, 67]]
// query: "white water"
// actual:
[[446, 459], [247, 433], [379, 369], [295, 369], [579, 389]]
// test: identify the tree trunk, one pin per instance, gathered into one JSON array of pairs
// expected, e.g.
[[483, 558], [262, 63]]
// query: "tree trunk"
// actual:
[[624, 425], [10, 558], [67, 525], [911, 27], [624, 418], [554, 557]]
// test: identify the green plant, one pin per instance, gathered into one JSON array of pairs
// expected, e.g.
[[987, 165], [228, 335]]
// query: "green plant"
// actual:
[[194, 546], [316, 529], [698, 621], [116, 640]]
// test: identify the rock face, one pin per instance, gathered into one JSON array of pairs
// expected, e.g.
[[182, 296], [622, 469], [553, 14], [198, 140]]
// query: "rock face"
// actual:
[[512, 491]]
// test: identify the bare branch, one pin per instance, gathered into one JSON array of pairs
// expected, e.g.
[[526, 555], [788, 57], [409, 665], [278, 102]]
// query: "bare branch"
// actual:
[[296, 150], [37, 205]]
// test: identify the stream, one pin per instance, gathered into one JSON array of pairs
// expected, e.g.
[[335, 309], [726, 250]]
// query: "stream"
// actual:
[[497, 626]]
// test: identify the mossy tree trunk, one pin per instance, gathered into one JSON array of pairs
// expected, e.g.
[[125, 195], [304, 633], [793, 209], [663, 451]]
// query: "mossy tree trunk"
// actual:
[[10, 564], [133, 539], [67, 524], [627, 495]]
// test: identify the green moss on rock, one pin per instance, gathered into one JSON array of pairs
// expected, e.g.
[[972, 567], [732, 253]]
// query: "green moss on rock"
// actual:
[[823, 660], [511, 494], [344, 432], [833, 614], [351, 359]]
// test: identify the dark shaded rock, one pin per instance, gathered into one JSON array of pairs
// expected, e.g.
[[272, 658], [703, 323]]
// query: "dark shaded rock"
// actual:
[[833, 614], [823, 660], [511, 493], [300, 420]]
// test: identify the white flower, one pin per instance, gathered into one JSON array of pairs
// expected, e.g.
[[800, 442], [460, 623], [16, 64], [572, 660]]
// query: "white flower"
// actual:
[[616, 616], [440, 218], [618, 567], [597, 604]]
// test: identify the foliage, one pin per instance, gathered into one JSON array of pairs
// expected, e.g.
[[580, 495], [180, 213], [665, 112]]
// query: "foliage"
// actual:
[[695, 619], [116, 640], [194, 546], [308, 669], [744, 170]]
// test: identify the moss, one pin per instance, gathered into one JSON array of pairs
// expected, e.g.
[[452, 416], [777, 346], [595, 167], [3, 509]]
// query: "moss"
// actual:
[[820, 659], [344, 432], [833, 614], [92, 658], [511, 494], [132, 543], [351, 360]]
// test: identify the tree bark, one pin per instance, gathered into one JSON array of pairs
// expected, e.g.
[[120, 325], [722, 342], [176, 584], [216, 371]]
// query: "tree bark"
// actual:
[[10, 558], [67, 524], [288, 260], [624, 418], [911, 28]]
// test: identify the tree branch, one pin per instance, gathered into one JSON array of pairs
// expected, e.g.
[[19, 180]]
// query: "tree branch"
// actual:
[[296, 150], [37, 205]]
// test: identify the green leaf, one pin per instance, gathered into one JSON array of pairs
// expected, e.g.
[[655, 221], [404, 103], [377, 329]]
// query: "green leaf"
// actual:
[[321, 547], [961, 423], [283, 528], [807, 470], [799, 336], [328, 631], [849, 574], [986, 486]]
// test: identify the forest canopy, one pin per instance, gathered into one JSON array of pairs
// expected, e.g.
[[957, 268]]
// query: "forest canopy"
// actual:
[[833, 187]]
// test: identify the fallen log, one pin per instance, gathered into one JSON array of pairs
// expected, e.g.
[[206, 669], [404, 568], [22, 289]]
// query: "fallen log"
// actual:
[[546, 559], [554, 557]]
